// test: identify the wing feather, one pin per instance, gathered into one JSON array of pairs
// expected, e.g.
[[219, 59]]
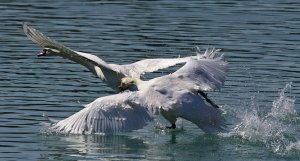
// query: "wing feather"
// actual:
[[150, 65], [110, 114], [207, 73], [96, 65]]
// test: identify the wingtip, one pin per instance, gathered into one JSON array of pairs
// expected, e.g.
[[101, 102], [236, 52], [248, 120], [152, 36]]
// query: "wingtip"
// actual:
[[25, 27], [210, 53], [24, 24], [49, 119]]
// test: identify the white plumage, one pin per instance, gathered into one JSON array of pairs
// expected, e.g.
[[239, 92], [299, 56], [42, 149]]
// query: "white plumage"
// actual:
[[109, 73], [110, 114], [173, 96]]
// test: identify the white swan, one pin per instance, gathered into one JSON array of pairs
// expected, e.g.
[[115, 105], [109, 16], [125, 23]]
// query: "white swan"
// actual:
[[109, 73], [175, 95]]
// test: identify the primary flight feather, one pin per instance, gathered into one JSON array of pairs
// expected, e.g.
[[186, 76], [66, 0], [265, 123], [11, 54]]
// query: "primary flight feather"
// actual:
[[109, 73]]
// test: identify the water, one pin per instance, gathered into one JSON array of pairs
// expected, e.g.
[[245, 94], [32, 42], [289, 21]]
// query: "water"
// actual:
[[259, 38]]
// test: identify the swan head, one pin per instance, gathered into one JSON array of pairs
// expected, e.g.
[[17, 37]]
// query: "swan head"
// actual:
[[48, 51], [129, 83]]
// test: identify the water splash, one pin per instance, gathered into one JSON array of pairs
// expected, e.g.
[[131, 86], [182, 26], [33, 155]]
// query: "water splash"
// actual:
[[283, 107], [276, 129]]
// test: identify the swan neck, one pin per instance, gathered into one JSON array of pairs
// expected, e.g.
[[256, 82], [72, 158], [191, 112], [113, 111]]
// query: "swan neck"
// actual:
[[140, 84]]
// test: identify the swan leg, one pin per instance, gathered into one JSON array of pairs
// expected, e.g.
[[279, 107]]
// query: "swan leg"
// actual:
[[204, 95], [170, 117]]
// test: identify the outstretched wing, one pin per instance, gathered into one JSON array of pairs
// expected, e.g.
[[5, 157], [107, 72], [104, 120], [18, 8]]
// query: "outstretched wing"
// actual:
[[206, 73], [150, 65], [110, 114], [96, 65]]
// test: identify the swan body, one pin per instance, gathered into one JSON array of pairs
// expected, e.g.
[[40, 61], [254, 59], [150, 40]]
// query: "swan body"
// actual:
[[173, 96], [109, 73]]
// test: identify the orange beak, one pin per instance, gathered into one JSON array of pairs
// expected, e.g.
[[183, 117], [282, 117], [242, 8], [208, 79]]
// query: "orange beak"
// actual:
[[43, 53]]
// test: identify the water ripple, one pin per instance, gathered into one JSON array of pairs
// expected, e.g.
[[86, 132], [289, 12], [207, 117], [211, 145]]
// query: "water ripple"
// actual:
[[259, 38]]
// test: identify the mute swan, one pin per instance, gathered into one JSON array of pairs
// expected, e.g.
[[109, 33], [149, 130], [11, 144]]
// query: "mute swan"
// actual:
[[179, 94], [109, 73]]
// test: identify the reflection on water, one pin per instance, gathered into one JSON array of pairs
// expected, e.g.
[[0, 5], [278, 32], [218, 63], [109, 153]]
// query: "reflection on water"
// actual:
[[259, 38], [93, 147]]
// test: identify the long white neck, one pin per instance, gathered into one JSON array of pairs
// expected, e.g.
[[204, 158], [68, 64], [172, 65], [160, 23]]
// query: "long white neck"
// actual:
[[140, 84]]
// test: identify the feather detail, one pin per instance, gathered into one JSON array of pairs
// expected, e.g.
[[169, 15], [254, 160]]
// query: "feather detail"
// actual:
[[110, 114]]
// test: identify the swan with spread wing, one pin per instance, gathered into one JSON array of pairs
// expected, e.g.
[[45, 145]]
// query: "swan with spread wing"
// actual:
[[109, 73], [177, 95]]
